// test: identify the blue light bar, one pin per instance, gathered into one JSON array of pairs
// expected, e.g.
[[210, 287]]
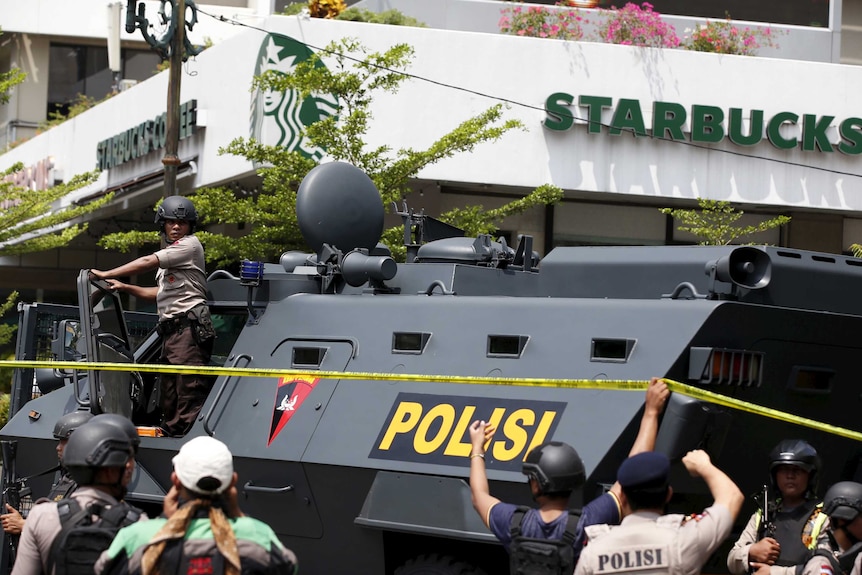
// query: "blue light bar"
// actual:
[[250, 273]]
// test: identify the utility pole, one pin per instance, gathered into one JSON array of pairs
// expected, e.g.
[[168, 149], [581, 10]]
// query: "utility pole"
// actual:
[[171, 160], [175, 47]]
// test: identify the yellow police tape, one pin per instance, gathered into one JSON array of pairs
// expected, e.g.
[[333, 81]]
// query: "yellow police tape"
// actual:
[[604, 384]]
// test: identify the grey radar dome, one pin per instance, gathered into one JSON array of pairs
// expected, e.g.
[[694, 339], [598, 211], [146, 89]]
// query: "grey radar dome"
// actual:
[[338, 204]]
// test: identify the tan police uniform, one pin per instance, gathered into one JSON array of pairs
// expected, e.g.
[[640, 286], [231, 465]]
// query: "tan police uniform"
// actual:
[[814, 527], [43, 525], [646, 543], [182, 309], [181, 277]]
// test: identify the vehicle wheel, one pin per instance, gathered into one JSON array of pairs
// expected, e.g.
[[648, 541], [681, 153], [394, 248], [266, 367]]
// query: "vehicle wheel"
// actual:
[[435, 564]]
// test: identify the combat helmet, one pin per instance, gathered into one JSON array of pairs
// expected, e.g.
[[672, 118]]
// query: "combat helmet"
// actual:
[[799, 453], [70, 422], [93, 446], [123, 423], [176, 208], [843, 501], [555, 466]]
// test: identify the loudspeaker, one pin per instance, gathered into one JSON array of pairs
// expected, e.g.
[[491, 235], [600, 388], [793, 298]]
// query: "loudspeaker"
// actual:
[[746, 267]]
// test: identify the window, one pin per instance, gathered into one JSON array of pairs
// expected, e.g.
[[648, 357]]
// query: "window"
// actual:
[[80, 69]]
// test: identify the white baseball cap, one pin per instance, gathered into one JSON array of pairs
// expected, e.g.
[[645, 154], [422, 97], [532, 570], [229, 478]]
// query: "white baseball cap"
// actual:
[[204, 465]]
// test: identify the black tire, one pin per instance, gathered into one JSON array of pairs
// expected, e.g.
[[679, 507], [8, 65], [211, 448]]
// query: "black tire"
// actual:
[[436, 564]]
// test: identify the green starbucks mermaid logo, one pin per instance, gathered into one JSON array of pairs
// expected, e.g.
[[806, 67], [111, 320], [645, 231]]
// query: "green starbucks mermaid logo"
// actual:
[[279, 118]]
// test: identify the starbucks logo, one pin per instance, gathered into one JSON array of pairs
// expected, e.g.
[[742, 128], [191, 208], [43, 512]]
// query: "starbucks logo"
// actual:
[[279, 118]]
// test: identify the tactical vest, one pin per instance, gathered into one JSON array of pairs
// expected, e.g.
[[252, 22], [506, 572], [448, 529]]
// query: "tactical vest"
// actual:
[[82, 540], [797, 531], [63, 488], [538, 556]]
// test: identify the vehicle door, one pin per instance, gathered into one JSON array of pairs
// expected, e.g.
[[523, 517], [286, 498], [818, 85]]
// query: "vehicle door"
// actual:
[[107, 339]]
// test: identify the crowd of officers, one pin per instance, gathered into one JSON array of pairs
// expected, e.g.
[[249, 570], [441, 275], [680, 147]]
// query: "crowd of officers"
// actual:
[[624, 530], [201, 530]]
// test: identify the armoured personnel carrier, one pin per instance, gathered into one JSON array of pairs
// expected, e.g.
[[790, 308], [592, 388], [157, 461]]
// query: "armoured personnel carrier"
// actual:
[[367, 474]]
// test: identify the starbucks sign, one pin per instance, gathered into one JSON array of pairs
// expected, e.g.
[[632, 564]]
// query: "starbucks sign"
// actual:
[[708, 124], [280, 118]]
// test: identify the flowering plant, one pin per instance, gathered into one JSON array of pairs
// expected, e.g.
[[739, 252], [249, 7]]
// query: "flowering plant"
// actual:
[[541, 22], [635, 25], [326, 8], [723, 37]]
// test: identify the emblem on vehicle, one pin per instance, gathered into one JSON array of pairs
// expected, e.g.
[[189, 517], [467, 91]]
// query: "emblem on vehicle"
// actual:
[[289, 396]]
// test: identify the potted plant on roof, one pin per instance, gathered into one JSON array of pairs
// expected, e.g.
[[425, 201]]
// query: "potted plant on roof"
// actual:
[[634, 25]]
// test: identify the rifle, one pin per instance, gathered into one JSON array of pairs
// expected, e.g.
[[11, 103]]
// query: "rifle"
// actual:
[[14, 488], [766, 527]]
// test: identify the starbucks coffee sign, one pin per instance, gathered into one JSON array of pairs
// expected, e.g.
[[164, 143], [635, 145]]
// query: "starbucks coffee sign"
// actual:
[[707, 124], [144, 138]]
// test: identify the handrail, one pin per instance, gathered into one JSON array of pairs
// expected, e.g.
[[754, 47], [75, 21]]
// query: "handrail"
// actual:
[[249, 486], [220, 392]]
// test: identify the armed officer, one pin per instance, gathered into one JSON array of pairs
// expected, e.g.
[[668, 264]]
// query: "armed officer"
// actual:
[[795, 518], [837, 552], [554, 470], [647, 542], [12, 521], [184, 319], [97, 456]]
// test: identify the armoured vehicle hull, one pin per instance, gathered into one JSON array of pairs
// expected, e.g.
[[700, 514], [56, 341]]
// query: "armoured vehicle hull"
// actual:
[[368, 474]]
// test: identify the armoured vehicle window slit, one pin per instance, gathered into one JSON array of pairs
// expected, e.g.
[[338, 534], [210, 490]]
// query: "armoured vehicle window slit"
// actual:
[[811, 380], [410, 342], [506, 345], [856, 263], [794, 255], [826, 259], [308, 356], [720, 366], [611, 350]]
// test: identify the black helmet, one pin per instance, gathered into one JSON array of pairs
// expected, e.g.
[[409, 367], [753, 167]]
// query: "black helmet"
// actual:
[[843, 501], [555, 466], [93, 446], [176, 208], [70, 422], [125, 424], [798, 453]]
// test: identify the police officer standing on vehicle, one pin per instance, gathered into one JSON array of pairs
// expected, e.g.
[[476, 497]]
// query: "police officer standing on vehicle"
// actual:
[[12, 521], [647, 542], [203, 530], [96, 457], [795, 518], [555, 470], [184, 319]]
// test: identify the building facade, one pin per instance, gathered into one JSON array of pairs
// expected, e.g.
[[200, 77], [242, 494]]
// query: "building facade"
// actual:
[[622, 130]]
